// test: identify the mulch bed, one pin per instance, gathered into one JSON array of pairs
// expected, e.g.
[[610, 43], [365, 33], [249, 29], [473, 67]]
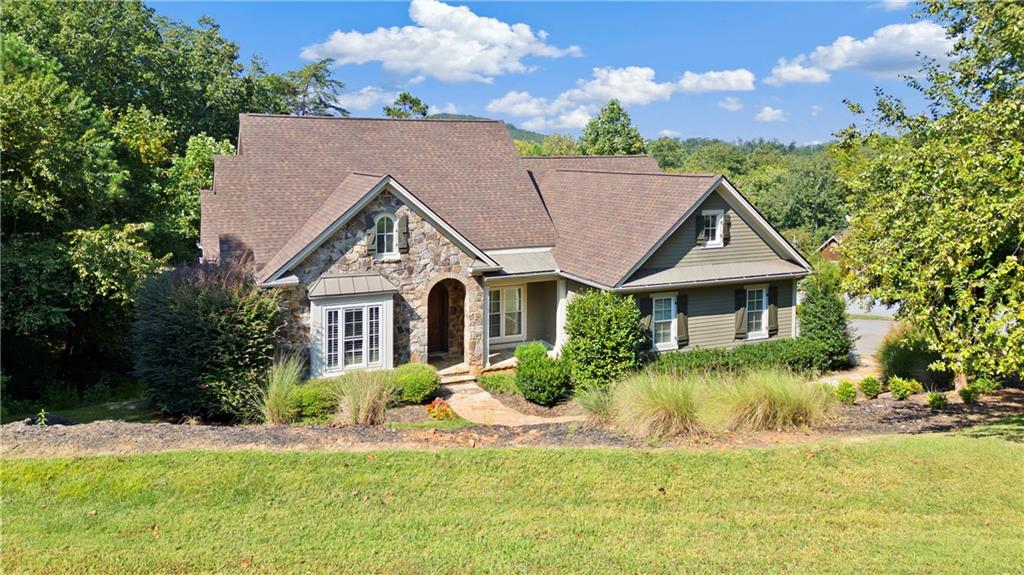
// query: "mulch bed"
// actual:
[[520, 404]]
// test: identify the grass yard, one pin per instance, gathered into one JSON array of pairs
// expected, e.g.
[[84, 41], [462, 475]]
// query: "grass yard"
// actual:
[[911, 504]]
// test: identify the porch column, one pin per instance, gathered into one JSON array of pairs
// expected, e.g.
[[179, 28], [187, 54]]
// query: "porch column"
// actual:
[[562, 300]]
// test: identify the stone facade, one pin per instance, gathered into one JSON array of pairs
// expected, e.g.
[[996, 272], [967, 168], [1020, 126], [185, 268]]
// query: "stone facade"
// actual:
[[431, 258]]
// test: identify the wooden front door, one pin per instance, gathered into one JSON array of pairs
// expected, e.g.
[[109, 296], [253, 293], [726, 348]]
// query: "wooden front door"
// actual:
[[437, 320]]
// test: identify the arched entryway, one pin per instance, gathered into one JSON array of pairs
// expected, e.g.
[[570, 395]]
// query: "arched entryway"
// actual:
[[446, 320]]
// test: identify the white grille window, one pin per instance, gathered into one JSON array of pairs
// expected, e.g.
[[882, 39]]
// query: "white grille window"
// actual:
[[756, 309], [664, 315], [352, 337], [712, 227], [331, 342], [373, 335], [386, 241], [505, 312]]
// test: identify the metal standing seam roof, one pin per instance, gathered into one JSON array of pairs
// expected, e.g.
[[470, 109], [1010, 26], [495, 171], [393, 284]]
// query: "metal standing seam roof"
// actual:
[[330, 285], [525, 262]]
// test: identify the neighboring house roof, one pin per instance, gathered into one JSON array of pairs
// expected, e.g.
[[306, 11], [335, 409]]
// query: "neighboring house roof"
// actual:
[[466, 171], [330, 285], [834, 239], [608, 221], [540, 166], [525, 262], [713, 273]]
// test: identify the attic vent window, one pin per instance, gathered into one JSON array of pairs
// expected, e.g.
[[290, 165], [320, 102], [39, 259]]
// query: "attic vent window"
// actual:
[[710, 233], [385, 236]]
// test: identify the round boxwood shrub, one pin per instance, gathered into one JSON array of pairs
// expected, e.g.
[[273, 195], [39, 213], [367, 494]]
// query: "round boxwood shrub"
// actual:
[[604, 338], [416, 382], [314, 400], [846, 392], [870, 387], [902, 388], [203, 338], [541, 379]]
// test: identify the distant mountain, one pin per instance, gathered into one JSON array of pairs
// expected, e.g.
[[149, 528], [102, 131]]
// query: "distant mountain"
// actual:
[[516, 133]]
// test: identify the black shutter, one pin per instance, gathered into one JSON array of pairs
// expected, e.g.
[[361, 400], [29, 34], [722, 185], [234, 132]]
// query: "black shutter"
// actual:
[[773, 311], [741, 314], [726, 224], [646, 305], [371, 234], [403, 234], [682, 326], [698, 224]]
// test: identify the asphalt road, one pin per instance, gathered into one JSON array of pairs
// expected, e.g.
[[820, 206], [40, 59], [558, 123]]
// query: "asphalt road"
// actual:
[[869, 333]]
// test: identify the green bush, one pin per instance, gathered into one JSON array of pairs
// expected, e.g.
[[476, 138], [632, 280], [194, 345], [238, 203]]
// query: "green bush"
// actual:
[[902, 388], [416, 382], [799, 355], [498, 383], [652, 405], [274, 401], [203, 338], [904, 353], [846, 393], [365, 396], [870, 387], [604, 338], [772, 399], [823, 320], [969, 394], [986, 385], [937, 400], [314, 400], [541, 379]]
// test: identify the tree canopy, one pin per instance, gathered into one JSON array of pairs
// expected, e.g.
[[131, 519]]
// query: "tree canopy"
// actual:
[[611, 132], [407, 106]]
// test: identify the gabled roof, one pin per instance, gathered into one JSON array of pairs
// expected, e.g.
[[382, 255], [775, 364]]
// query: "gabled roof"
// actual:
[[608, 221], [466, 171], [540, 166]]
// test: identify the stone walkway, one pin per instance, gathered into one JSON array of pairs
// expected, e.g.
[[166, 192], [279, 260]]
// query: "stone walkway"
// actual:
[[478, 406]]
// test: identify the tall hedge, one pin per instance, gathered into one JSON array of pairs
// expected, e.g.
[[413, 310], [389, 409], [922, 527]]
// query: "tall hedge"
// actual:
[[203, 338], [604, 338], [823, 318]]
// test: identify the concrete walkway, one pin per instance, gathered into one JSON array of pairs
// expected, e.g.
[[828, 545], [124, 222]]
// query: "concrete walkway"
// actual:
[[478, 406]]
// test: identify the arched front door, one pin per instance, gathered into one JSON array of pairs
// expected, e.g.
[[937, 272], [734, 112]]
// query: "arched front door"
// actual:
[[438, 320]]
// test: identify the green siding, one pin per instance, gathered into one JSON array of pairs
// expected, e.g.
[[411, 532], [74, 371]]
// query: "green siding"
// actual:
[[541, 311], [681, 249]]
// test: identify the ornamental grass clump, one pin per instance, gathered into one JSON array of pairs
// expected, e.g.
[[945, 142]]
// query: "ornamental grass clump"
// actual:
[[652, 405], [365, 396], [772, 399], [274, 398], [596, 402]]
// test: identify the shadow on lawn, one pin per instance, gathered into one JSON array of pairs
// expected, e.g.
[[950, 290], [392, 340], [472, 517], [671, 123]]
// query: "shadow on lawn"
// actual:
[[1010, 429]]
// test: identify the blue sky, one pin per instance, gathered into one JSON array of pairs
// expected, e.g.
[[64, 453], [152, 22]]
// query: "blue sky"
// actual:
[[726, 70]]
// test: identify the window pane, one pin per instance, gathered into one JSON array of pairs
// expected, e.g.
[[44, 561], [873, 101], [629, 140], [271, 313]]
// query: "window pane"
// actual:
[[755, 311], [513, 324], [663, 309], [512, 301], [662, 332], [373, 335], [332, 339], [711, 228], [494, 325], [494, 305], [354, 343]]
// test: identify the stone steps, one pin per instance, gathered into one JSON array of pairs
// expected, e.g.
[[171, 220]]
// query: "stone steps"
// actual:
[[457, 378]]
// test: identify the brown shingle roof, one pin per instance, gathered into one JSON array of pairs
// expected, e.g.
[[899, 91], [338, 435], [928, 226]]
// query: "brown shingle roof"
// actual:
[[468, 172], [541, 165], [607, 221]]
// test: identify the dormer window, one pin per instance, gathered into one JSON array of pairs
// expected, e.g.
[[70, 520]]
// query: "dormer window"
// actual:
[[386, 237], [709, 231]]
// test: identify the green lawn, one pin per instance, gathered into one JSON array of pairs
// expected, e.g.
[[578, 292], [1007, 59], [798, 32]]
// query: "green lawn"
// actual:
[[134, 410], [924, 504]]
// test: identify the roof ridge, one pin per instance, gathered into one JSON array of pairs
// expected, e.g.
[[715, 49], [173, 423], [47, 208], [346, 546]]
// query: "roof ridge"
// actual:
[[693, 175], [586, 157], [365, 119]]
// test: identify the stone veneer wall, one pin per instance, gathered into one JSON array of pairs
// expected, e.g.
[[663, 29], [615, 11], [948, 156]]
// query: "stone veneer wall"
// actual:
[[431, 259]]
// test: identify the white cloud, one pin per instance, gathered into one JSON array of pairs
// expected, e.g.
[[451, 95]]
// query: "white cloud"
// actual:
[[668, 133], [632, 86], [740, 80], [366, 98], [769, 114], [893, 5], [731, 103], [794, 72], [449, 43], [816, 109], [449, 108], [891, 50]]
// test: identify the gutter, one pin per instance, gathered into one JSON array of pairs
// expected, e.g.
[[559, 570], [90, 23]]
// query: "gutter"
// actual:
[[703, 283], [287, 281]]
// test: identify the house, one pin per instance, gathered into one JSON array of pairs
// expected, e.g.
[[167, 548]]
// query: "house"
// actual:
[[413, 240], [829, 249]]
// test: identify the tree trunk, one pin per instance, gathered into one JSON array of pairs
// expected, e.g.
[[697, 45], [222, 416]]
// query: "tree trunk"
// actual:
[[959, 380]]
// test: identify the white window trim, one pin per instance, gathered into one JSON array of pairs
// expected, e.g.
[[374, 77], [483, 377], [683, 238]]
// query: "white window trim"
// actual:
[[763, 334], [318, 331], [382, 255], [502, 338], [719, 227], [673, 342]]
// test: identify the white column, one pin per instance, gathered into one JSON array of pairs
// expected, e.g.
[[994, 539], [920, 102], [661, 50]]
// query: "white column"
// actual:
[[487, 322], [563, 301]]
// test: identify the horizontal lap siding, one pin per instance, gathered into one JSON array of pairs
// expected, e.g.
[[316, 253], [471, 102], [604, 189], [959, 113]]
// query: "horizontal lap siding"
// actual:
[[681, 249], [712, 314], [541, 304]]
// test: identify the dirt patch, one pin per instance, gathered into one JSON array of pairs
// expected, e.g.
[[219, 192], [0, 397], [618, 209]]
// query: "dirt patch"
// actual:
[[407, 414], [520, 404], [865, 418]]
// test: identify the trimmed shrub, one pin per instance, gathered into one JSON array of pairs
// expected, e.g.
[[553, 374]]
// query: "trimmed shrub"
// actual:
[[416, 382], [799, 355], [969, 395], [901, 388], [604, 338], [203, 338], [541, 379], [315, 400], [937, 400], [823, 320], [274, 402], [597, 402], [650, 405], [904, 353], [870, 387], [772, 399], [365, 396], [499, 383], [986, 385], [845, 392]]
